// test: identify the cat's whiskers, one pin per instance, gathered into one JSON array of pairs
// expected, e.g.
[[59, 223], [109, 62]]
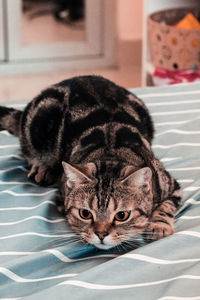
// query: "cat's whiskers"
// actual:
[[149, 236], [56, 244], [61, 240]]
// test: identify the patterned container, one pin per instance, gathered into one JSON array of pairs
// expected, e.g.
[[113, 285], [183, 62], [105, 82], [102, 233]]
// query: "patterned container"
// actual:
[[174, 48]]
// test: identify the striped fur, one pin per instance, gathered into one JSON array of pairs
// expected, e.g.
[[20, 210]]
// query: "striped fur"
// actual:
[[103, 133]]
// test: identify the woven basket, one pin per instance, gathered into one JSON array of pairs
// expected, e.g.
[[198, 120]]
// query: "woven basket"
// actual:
[[174, 48]]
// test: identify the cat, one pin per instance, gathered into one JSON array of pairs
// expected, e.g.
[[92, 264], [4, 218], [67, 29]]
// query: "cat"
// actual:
[[93, 138]]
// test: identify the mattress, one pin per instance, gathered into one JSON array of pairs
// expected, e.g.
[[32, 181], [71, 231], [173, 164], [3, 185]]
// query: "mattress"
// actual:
[[39, 255]]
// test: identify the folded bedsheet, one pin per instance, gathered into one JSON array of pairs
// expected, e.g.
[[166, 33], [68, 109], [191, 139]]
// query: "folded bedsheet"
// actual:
[[39, 257]]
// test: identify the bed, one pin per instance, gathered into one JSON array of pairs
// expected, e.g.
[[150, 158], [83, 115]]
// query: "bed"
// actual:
[[39, 259]]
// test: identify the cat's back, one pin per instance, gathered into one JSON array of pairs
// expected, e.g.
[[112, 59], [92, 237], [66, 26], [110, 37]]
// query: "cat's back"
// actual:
[[103, 115], [83, 95], [79, 107], [96, 99]]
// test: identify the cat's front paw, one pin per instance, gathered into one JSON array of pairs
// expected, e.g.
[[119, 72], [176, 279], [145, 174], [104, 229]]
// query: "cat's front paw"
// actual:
[[42, 175], [157, 230]]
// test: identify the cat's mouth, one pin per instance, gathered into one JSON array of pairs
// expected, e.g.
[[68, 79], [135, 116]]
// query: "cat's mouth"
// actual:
[[108, 243], [103, 246]]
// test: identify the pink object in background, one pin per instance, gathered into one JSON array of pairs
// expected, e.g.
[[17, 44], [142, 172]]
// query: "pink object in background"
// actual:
[[164, 77]]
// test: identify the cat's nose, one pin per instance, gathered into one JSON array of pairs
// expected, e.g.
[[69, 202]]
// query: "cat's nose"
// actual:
[[101, 235]]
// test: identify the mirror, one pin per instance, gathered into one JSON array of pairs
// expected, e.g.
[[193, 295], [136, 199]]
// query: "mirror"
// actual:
[[50, 21]]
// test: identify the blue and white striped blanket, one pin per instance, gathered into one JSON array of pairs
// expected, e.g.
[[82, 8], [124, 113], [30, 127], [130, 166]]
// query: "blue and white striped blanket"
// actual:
[[39, 258]]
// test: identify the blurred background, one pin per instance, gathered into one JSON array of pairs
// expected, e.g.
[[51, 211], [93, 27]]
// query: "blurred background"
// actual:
[[46, 41], [131, 42]]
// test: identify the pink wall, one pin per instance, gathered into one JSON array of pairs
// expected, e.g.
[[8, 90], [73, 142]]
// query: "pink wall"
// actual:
[[129, 19]]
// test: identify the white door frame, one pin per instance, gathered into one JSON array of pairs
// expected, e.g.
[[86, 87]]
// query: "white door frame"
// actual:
[[2, 36], [105, 41], [89, 46]]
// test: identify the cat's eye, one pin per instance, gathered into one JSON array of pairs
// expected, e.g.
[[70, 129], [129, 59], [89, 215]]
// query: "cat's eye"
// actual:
[[85, 214], [122, 216]]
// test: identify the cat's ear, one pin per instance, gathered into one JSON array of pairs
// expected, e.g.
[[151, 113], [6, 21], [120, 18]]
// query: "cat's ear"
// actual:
[[141, 177], [79, 173]]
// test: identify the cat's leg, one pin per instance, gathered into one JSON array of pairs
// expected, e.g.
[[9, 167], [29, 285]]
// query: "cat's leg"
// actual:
[[167, 201], [41, 134], [161, 222]]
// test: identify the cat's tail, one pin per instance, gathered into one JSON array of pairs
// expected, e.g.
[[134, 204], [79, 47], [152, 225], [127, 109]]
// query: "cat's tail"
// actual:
[[10, 120]]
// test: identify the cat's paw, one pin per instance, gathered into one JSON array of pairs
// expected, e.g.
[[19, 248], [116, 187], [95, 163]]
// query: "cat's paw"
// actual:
[[158, 230], [42, 175]]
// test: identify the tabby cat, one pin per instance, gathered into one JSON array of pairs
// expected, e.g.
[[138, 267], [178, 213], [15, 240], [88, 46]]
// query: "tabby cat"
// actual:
[[113, 187]]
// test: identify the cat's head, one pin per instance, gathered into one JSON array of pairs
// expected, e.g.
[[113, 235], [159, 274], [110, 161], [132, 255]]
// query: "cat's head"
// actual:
[[107, 205]]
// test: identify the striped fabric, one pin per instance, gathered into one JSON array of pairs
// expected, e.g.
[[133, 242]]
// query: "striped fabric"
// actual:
[[39, 255]]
